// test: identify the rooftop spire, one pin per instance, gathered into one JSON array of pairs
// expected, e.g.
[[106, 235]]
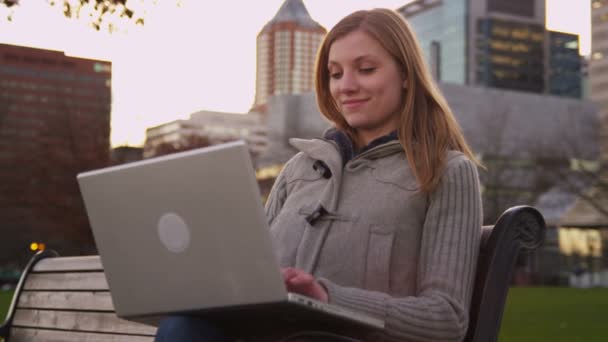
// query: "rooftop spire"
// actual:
[[293, 11]]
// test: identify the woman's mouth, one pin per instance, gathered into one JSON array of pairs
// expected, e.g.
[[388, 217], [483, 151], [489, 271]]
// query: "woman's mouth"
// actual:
[[353, 103]]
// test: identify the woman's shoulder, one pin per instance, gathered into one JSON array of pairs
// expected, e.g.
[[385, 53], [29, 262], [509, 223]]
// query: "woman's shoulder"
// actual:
[[457, 161], [455, 158]]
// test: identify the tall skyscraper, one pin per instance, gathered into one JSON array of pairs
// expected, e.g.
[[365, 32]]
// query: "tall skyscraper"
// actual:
[[566, 74], [286, 51], [598, 65], [494, 43], [54, 123]]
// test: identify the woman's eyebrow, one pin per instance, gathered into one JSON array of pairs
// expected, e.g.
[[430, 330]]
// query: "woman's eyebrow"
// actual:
[[356, 60]]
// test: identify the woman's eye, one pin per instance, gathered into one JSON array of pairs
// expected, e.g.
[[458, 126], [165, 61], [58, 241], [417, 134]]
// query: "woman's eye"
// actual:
[[367, 70], [335, 75]]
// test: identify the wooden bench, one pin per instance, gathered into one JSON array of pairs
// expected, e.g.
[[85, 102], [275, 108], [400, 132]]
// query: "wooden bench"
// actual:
[[67, 298]]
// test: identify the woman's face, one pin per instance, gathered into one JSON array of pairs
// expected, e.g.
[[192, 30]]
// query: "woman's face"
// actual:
[[366, 84]]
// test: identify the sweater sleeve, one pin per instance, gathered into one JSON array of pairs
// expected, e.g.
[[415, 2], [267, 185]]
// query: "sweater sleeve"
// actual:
[[446, 266]]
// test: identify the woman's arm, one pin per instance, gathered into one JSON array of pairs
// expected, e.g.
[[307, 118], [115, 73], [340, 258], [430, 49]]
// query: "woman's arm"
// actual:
[[446, 266]]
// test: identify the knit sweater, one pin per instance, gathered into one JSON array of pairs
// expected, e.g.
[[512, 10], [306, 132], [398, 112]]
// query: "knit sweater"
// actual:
[[381, 246]]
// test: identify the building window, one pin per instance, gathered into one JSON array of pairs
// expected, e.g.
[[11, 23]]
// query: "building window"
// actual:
[[436, 59]]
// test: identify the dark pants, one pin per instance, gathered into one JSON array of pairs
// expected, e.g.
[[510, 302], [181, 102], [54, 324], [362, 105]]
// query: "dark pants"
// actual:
[[193, 329], [188, 329]]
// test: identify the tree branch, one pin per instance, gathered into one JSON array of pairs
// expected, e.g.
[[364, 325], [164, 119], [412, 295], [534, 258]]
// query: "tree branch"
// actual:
[[99, 11]]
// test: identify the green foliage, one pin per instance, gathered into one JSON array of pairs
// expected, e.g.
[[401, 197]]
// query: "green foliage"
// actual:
[[556, 315]]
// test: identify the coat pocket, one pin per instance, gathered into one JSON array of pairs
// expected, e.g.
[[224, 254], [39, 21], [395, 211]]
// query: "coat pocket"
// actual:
[[378, 261]]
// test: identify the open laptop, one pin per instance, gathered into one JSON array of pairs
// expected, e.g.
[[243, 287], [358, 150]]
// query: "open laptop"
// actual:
[[186, 233]]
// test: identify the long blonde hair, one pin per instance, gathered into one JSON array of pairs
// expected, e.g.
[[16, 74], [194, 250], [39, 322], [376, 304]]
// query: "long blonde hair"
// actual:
[[427, 126]]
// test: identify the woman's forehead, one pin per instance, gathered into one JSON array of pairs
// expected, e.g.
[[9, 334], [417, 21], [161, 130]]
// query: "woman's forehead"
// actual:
[[356, 45]]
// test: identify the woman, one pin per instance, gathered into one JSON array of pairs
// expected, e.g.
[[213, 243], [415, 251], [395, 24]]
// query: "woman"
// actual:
[[383, 214]]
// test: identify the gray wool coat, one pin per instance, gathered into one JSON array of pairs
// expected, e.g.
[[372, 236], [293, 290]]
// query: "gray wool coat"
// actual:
[[382, 247]]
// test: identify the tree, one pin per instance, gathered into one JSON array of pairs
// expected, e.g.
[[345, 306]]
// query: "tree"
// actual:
[[577, 173], [508, 179], [526, 154], [189, 142], [98, 11]]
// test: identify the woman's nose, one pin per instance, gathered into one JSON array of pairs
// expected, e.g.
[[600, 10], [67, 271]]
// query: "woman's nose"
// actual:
[[349, 82]]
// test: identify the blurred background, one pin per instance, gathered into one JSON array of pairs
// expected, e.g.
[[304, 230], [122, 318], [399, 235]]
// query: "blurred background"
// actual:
[[86, 84]]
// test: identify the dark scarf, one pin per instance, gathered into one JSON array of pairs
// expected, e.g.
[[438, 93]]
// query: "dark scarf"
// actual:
[[346, 146]]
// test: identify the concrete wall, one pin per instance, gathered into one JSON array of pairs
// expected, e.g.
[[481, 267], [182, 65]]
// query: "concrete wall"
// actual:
[[522, 124], [510, 123]]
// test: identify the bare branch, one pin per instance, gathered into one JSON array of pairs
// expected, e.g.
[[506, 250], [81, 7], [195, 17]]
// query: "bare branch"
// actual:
[[101, 13]]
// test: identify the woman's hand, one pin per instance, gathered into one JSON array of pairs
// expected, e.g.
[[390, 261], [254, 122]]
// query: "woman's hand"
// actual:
[[303, 283]]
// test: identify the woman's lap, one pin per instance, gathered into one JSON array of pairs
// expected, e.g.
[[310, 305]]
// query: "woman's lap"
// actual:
[[188, 329], [193, 329]]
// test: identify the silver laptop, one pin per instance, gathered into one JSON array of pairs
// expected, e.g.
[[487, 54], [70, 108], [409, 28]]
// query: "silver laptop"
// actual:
[[186, 233]]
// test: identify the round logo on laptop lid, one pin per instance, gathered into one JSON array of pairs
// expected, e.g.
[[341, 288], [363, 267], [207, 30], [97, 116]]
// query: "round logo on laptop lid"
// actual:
[[173, 232]]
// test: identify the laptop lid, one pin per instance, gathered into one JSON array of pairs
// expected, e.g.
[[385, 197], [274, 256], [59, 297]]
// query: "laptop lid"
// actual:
[[182, 232]]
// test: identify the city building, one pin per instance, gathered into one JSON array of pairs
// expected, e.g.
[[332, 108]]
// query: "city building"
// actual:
[[598, 65], [495, 43], [173, 133], [585, 82], [54, 123], [566, 72], [208, 127], [286, 52]]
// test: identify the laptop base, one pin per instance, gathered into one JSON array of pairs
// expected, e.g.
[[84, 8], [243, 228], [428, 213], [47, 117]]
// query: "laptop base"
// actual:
[[263, 319]]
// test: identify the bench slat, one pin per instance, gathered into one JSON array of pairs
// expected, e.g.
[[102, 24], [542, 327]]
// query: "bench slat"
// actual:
[[66, 281], [92, 301], [28, 335], [79, 321], [69, 264]]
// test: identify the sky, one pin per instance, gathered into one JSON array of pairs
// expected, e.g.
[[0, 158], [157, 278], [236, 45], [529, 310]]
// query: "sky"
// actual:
[[196, 56]]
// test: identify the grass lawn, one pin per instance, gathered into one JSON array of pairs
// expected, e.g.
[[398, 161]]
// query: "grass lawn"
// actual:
[[5, 302], [555, 314], [532, 314]]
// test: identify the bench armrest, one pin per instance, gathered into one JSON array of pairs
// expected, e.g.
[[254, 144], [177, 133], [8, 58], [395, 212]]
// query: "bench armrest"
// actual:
[[518, 228], [6, 326]]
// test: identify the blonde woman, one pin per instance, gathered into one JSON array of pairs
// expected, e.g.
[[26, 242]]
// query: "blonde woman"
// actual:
[[382, 214]]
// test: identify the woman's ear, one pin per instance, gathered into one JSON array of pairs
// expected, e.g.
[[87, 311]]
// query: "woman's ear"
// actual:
[[405, 83]]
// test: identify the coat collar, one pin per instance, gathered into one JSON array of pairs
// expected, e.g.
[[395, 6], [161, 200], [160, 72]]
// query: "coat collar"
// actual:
[[329, 152]]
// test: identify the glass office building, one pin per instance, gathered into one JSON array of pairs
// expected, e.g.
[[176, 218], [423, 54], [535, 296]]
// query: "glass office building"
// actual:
[[565, 65], [442, 33], [510, 55], [495, 43]]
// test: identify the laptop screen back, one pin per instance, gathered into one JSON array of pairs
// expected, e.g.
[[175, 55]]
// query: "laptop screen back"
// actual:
[[182, 232]]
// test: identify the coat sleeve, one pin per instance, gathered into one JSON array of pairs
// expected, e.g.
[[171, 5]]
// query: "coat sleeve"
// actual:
[[446, 267]]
